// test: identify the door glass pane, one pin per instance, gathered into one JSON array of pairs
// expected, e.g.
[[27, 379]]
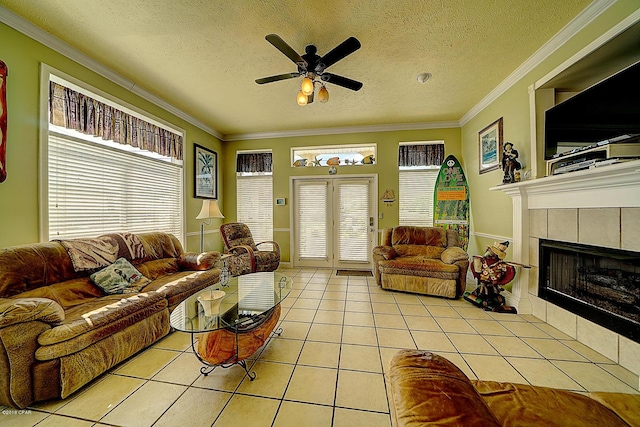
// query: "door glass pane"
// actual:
[[353, 221], [312, 233]]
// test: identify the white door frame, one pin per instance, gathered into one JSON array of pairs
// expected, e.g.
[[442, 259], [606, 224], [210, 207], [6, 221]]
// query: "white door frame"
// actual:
[[292, 213]]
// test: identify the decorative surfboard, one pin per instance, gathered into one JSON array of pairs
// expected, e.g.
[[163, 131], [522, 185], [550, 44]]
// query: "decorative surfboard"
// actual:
[[451, 200]]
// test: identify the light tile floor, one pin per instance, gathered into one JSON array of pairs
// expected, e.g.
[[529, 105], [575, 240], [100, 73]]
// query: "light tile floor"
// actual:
[[327, 368]]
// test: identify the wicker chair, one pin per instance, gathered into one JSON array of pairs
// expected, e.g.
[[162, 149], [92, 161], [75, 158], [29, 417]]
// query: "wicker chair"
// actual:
[[238, 241]]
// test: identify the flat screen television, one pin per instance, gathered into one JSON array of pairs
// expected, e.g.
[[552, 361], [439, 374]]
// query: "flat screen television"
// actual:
[[606, 110]]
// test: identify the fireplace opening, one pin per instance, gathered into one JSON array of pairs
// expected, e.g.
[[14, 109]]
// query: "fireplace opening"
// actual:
[[600, 284]]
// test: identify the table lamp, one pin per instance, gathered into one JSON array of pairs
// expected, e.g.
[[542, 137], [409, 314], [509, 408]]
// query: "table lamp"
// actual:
[[210, 209]]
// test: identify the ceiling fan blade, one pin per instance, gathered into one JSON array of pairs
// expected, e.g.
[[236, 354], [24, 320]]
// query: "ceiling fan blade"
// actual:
[[341, 81], [345, 48], [283, 47], [277, 78]]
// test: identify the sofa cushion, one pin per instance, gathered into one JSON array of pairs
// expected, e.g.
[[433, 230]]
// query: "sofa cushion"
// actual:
[[68, 293], [526, 405], [157, 268], [420, 266], [27, 267], [91, 254], [26, 309], [427, 389], [627, 406], [160, 245], [453, 254], [426, 251], [178, 286], [119, 278], [201, 261], [87, 337], [96, 313], [409, 235]]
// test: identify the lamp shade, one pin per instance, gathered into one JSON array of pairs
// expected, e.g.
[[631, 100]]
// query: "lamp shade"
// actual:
[[301, 99], [307, 86], [210, 209], [323, 94]]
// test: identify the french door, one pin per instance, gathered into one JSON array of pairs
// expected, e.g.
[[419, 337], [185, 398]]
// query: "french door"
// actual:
[[334, 222]]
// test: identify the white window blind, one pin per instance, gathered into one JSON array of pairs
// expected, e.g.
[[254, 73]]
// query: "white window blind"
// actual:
[[255, 206], [256, 292], [312, 229], [353, 221], [416, 196], [95, 189]]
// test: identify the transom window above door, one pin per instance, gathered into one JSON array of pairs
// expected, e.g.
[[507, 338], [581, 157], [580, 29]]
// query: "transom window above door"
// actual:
[[334, 155]]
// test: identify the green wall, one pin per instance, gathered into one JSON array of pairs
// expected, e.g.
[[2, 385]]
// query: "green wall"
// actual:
[[491, 211], [19, 204], [386, 167]]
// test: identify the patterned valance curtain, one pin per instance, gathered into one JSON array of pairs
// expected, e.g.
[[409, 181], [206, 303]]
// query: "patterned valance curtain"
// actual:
[[74, 110], [254, 162], [421, 155]]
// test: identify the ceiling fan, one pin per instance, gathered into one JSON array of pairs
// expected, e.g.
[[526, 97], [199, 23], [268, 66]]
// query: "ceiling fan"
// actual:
[[312, 66]]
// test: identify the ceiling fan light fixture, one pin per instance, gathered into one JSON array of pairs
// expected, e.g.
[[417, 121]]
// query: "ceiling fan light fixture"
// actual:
[[302, 99], [323, 94], [307, 86]]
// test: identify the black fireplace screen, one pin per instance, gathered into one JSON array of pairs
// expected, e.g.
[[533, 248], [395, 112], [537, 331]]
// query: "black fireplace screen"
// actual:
[[599, 284]]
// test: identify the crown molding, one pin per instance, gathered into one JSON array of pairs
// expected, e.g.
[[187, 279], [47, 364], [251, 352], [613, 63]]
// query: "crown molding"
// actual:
[[585, 17], [38, 34], [342, 130], [622, 26]]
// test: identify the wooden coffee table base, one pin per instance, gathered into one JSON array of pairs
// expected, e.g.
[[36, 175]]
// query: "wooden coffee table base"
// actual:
[[230, 346]]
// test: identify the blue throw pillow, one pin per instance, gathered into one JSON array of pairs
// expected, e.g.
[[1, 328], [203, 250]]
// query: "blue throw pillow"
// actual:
[[119, 278]]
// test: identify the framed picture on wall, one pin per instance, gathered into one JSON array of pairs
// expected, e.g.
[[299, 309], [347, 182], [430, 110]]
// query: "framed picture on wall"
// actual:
[[490, 146], [205, 173]]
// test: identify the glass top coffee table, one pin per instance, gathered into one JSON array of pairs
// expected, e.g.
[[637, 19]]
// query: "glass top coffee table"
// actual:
[[229, 323]]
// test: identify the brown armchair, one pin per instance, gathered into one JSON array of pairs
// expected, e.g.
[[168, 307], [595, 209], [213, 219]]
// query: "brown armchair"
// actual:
[[238, 241], [423, 260]]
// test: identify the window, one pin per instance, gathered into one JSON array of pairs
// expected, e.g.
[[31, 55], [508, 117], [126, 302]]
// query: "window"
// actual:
[[347, 155], [254, 192], [419, 165], [95, 185]]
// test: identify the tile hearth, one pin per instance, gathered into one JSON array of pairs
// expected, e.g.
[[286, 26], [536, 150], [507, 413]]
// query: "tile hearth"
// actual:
[[328, 367]]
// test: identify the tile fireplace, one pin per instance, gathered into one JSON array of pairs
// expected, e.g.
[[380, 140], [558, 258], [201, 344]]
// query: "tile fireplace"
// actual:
[[595, 208], [599, 284]]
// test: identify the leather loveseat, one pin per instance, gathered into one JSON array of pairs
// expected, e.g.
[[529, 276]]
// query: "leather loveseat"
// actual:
[[427, 389], [59, 330], [423, 260]]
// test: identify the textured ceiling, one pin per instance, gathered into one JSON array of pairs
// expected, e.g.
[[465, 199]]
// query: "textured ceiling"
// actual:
[[203, 56]]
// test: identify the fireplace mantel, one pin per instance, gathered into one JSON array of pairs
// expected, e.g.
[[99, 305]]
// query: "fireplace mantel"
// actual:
[[616, 186], [609, 186]]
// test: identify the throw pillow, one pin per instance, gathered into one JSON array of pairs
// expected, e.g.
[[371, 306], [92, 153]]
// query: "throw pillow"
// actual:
[[119, 278]]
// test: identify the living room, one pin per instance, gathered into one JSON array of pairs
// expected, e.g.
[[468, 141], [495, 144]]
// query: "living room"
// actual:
[[494, 216]]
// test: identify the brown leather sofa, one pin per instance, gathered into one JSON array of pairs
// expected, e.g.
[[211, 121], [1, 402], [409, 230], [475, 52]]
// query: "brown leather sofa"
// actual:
[[423, 260], [427, 389], [58, 330]]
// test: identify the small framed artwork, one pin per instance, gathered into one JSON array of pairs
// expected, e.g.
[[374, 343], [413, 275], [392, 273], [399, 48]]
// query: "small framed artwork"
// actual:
[[490, 146], [281, 201], [205, 173]]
